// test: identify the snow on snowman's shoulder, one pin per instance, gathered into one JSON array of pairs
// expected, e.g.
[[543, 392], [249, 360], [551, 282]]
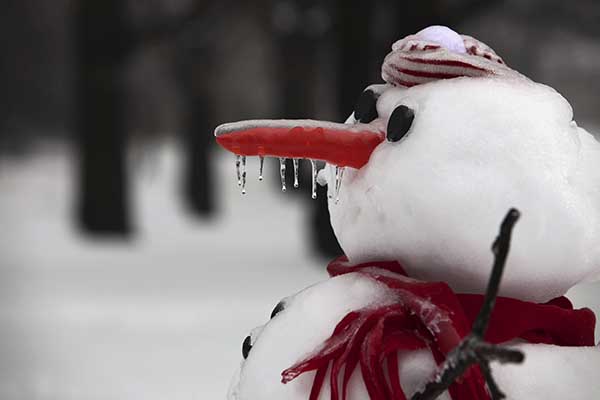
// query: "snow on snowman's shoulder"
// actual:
[[307, 320], [551, 373], [548, 372]]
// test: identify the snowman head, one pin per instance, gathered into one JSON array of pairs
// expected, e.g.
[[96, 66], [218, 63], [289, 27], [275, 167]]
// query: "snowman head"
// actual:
[[430, 161], [457, 155]]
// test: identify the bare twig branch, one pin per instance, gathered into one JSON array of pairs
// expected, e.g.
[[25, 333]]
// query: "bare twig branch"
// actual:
[[473, 349], [500, 249], [498, 353], [489, 379]]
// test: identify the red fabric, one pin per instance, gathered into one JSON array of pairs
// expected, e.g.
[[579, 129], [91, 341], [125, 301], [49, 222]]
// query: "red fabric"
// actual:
[[428, 314], [415, 61], [341, 266], [555, 322]]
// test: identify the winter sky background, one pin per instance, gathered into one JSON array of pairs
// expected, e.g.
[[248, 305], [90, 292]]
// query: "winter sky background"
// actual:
[[158, 305]]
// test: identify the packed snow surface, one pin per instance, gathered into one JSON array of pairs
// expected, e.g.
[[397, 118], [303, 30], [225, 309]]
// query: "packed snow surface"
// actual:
[[307, 320], [444, 36], [477, 147]]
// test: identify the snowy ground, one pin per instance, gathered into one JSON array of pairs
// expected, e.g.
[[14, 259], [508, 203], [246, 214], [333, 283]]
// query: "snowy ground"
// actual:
[[161, 317]]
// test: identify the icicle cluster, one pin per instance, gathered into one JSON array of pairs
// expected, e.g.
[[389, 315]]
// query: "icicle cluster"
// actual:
[[240, 166]]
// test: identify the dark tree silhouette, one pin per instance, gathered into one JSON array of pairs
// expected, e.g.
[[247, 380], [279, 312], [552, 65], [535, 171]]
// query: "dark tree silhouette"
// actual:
[[353, 38], [103, 42], [196, 128], [198, 176], [185, 35]]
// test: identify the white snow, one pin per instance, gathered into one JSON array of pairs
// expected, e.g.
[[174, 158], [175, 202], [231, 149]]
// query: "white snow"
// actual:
[[160, 317], [290, 124], [444, 36], [477, 147], [551, 373]]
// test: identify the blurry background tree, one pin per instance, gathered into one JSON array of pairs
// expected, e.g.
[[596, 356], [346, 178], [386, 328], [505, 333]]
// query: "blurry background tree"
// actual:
[[129, 72], [104, 42]]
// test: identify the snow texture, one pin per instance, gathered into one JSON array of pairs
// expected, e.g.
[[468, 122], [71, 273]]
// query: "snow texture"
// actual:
[[444, 36], [552, 373], [289, 123], [477, 147], [310, 317]]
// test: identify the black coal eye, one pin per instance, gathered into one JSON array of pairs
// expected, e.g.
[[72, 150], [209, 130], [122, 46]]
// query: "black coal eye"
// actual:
[[279, 307], [365, 110], [246, 347], [399, 123]]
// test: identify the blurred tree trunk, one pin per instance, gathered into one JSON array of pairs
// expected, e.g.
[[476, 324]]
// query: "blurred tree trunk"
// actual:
[[198, 122], [197, 139], [193, 56], [354, 40], [103, 42]]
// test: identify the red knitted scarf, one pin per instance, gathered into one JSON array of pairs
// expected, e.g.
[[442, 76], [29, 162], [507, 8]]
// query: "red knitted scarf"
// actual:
[[428, 315]]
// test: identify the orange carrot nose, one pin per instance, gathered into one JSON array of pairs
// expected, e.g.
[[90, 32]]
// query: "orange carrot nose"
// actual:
[[339, 144]]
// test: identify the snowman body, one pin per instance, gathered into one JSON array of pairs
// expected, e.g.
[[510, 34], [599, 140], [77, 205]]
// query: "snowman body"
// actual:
[[308, 318]]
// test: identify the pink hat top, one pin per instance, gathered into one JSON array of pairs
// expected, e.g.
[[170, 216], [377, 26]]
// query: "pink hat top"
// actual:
[[437, 53]]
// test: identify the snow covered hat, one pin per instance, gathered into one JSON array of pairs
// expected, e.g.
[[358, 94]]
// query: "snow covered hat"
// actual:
[[437, 52]]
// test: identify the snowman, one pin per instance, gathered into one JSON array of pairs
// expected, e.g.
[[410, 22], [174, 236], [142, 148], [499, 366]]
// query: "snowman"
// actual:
[[419, 178]]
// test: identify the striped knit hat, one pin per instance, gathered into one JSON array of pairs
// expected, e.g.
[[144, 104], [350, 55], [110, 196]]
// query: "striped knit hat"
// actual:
[[437, 53]]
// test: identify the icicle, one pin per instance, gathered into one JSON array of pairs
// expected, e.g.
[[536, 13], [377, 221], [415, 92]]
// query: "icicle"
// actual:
[[237, 169], [260, 169], [243, 175], [295, 162], [313, 165], [282, 173], [339, 175]]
